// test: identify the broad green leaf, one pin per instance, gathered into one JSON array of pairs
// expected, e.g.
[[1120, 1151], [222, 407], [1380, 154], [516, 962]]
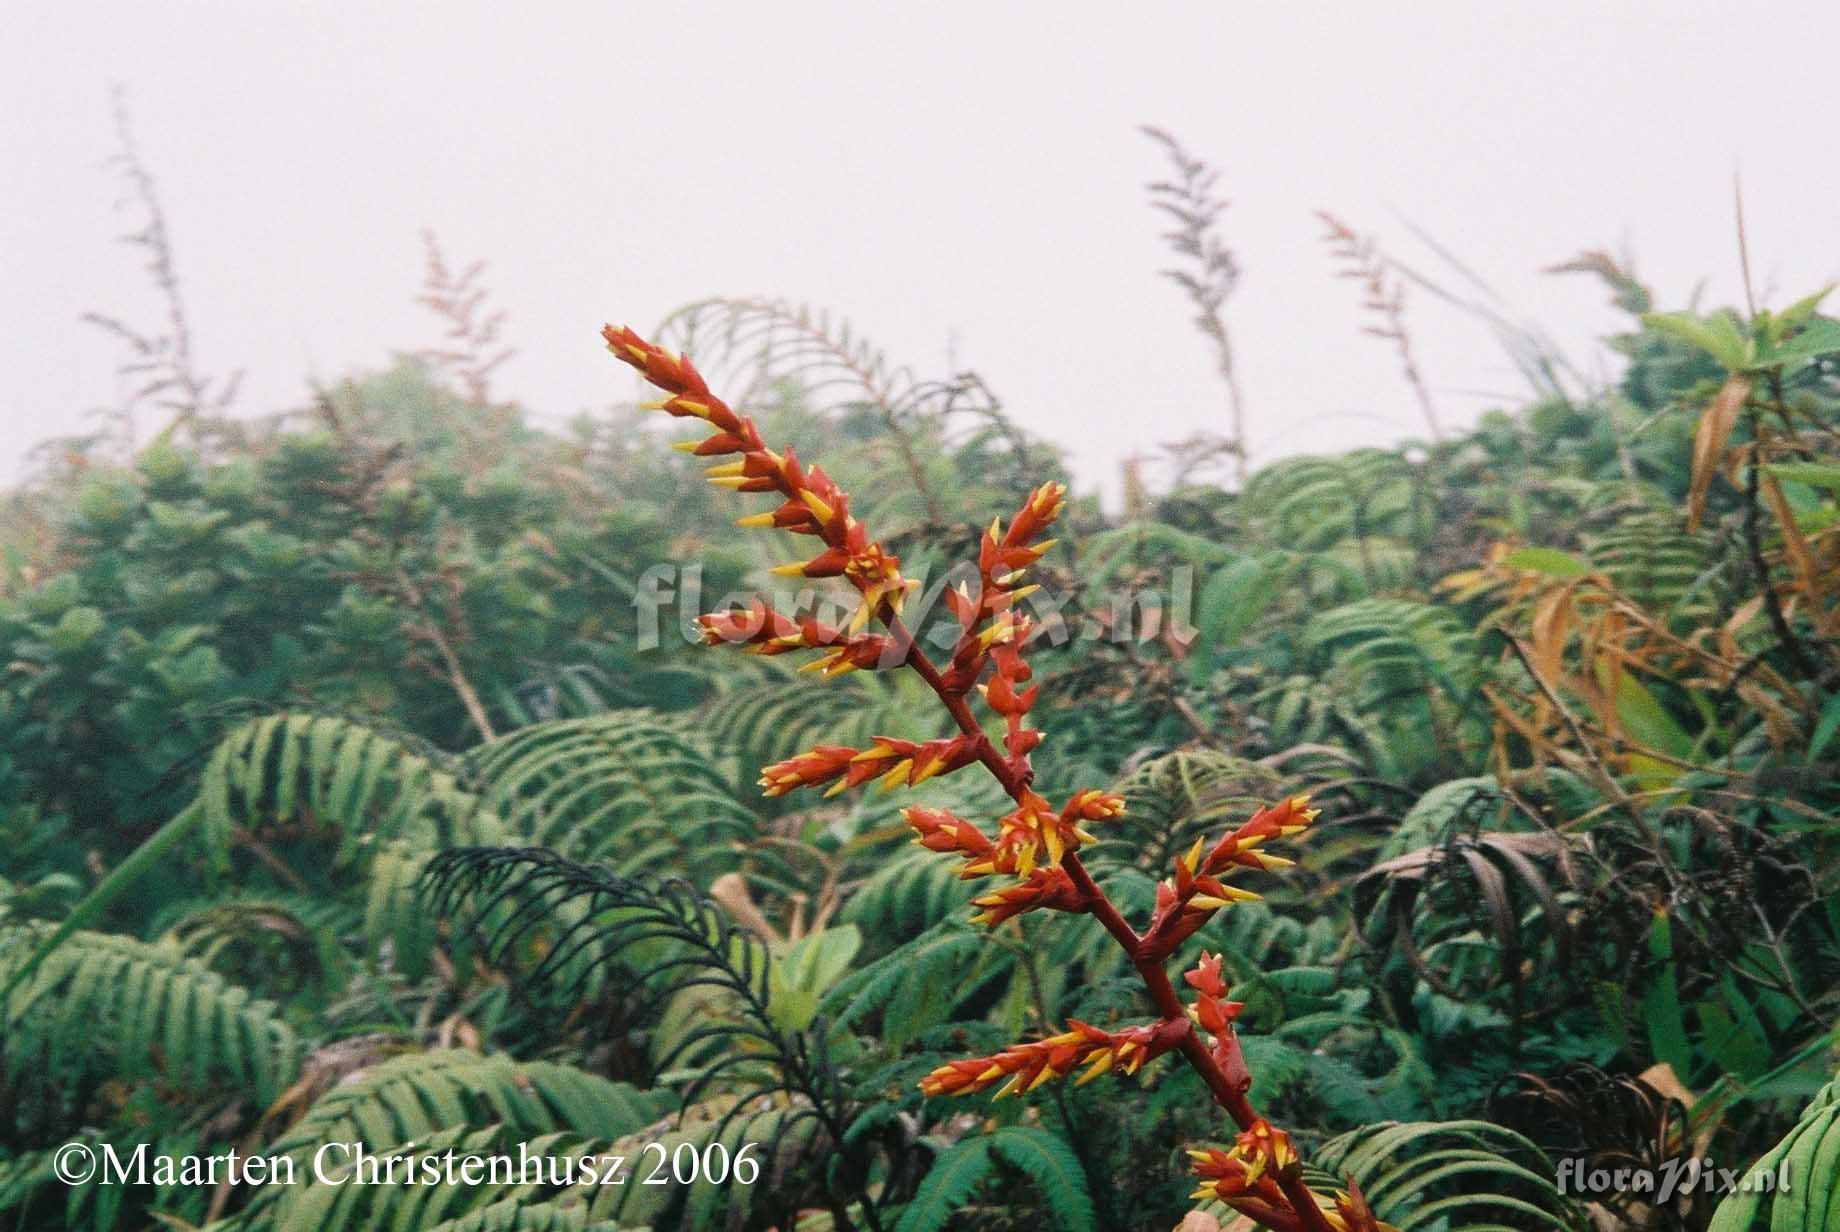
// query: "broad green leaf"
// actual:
[[807, 970], [1820, 338], [1550, 561], [1804, 308], [1814, 474], [1667, 1030], [1824, 730], [1644, 717], [1717, 335], [75, 629]]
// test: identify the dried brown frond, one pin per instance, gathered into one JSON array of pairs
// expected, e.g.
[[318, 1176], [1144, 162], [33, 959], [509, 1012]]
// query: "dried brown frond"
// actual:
[[471, 351], [1383, 299], [159, 366], [1613, 1121], [1209, 272], [1627, 291]]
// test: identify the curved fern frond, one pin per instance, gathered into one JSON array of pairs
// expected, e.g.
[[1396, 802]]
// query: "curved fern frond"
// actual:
[[1796, 1184], [409, 1097], [665, 944], [1043, 1157], [327, 771], [149, 1008], [620, 787], [1460, 1176]]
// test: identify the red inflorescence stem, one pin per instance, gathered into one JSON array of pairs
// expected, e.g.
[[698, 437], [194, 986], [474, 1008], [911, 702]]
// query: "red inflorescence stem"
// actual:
[[1229, 1082], [815, 506]]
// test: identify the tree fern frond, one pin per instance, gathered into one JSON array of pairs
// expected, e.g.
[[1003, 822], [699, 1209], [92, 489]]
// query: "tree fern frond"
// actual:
[[620, 787], [666, 942], [324, 769], [150, 1008], [1043, 1157], [1807, 1162], [1464, 1176]]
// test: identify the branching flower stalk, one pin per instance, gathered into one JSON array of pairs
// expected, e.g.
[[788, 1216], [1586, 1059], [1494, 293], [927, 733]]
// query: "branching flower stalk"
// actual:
[[1035, 850], [1384, 299]]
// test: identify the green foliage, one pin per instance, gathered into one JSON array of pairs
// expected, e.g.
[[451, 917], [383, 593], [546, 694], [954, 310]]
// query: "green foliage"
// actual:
[[356, 789], [108, 1005], [1037, 1154], [1796, 1184], [1466, 1176]]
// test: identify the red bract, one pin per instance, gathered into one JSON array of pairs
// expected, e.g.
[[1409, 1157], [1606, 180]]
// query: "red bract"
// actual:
[[896, 763], [758, 629], [1036, 847], [1195, 891], [1044, 889], [1213, 1012], [1023, 1067], [939, 830]]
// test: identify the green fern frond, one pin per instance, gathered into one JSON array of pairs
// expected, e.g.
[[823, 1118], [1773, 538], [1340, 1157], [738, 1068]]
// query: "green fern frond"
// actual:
[[672, 944], [410, 1097], [148, 1007], [326, 770], [1807, 1161], [621, 787], [1043, 1157], [1462, 1176]]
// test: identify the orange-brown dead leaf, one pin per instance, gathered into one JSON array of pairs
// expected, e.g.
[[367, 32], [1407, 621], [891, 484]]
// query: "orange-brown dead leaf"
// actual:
[[1709, 440]]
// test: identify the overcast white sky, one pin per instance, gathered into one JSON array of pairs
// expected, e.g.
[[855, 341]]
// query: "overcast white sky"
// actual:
[[964, 176]]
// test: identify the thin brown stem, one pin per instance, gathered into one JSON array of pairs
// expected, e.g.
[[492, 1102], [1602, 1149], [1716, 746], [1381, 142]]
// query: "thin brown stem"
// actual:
[[431, 631], [1606, 782]]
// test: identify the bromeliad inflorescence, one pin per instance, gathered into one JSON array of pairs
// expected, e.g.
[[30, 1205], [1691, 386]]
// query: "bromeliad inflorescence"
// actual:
[[1035, 847]]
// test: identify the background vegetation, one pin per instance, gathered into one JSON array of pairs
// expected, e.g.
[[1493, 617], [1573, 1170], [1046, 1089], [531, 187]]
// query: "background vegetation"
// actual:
[[1567, 685]]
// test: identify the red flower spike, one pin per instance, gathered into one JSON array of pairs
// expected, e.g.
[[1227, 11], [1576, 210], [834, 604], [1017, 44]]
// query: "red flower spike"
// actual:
[[1045, 889], [1352, 1214], [1092, 805], [1225, 1178], [895, 762], [825, 564], [869, 651], [1189, 899], [792, 516], [1205, 977], [1023, 1067], [939, 830], [821, 765], [1000, 559], [1267, 1151], [1043, 506], [715, 446], [758, 629], [675, 374], [1261, 1176], [755, 625], [1280, 820], [1021, 741], [1003, 698], [852, 554], [1034, 833]]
